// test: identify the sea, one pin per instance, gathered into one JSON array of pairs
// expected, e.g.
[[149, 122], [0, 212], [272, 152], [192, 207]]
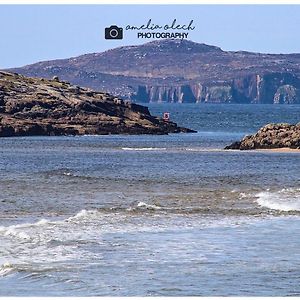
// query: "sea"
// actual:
[[153, 215]]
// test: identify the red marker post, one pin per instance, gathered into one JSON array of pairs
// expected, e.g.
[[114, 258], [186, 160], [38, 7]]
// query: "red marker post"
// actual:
[[166, 116]]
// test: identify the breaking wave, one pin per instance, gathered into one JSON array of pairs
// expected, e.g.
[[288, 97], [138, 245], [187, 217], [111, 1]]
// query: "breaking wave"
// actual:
[[6, 269], [143, 205], [283, 200], [143, 149], [172, 149]]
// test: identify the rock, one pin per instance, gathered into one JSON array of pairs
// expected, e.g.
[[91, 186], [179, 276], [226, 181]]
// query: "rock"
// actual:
[[55, 78], [286, 94], [6, 131], [271, 136], [74, 89], [58, 108], [233, 146]]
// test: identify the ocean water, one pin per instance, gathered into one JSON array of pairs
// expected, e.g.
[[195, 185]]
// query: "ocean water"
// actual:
[[152, 215]]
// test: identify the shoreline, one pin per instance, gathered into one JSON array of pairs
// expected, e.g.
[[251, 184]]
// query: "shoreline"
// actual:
[[281, 137], [279, 150], [274, 150]]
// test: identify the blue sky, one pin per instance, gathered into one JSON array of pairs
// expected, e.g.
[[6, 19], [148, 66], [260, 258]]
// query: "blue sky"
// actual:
[[33, 33]]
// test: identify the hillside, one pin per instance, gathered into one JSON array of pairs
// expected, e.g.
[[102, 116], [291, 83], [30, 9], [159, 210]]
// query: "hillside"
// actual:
[[181, 71], [35, 106]]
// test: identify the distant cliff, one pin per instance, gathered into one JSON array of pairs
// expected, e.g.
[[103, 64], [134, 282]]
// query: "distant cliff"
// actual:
[[275, 88], [181, 71], [35, 106]]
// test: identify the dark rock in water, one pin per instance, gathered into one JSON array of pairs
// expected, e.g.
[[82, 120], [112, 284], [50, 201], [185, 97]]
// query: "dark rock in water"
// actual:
[[233, 146], [35, 106], [271, 136]]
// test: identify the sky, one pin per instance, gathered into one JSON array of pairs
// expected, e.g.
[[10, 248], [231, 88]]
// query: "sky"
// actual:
[[32, 33]]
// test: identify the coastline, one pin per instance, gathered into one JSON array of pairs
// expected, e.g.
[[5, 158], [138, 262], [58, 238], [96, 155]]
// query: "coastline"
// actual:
[[274, 150], [68, 201], [279, 150], [272, 136], [45, 107]]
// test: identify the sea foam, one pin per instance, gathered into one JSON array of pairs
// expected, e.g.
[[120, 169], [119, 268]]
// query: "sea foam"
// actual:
[[143, 149], [283, 200], [148, 206], [5, 269]]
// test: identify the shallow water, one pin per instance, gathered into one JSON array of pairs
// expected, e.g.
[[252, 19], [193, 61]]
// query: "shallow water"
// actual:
[[152, 215]]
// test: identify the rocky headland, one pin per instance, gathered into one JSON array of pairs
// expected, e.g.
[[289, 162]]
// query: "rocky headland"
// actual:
[[181, 71], [271, 136], [36, 106]]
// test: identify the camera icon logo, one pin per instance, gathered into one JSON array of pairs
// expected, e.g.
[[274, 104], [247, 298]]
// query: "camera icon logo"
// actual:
[[113, 33]]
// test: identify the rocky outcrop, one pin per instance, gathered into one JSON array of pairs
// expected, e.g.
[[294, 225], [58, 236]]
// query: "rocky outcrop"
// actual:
[[271, 136], [35, 106], [181, 71]]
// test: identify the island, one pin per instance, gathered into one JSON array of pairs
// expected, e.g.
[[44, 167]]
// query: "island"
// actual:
[[271, 136], [180, 71], [37, 106]]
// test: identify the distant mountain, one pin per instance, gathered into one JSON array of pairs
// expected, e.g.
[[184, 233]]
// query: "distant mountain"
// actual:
[[181, 71]]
